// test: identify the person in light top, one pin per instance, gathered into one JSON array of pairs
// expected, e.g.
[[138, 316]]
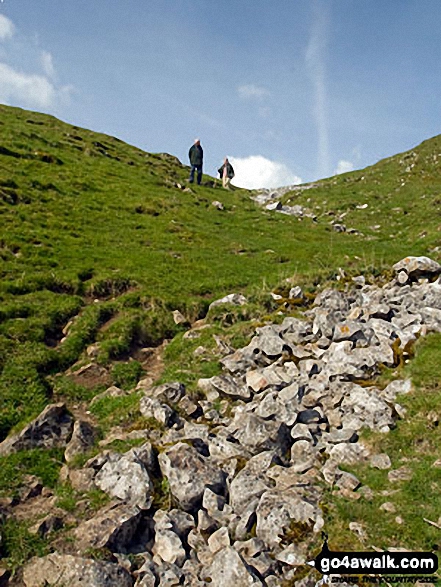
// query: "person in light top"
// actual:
[[226, 172]]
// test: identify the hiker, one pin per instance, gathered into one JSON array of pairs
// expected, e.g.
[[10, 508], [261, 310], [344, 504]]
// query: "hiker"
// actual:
[[196, 156], [226, 172]]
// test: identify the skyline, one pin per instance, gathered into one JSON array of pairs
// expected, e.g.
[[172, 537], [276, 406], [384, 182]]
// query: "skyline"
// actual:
[[291, 92]]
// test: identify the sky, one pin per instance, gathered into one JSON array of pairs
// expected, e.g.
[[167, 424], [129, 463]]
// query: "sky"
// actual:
[[290, 90]]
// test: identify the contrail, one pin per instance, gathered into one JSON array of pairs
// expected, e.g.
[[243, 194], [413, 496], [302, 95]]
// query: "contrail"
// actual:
[[315, 63]]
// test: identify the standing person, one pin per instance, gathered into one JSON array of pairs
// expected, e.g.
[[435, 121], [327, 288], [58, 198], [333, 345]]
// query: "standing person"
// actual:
[[196, 156], [226, 172]]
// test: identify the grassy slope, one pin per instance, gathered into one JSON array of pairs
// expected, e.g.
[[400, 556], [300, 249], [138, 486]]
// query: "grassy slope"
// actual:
[[402, 194], [86, 217]]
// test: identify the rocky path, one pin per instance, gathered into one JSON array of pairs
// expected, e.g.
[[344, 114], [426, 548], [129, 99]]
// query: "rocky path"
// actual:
[[242, 479]]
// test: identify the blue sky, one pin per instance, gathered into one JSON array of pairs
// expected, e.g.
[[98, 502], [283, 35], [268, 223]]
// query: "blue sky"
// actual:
[[290, 90]]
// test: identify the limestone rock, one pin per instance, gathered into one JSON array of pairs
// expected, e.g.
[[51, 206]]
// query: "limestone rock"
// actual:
[[112, 527], [229, 568], [277, 510], [381, 461], [83, 438], [219, 540], [234, 298], [417, 266], [257, 435], [74, 571], [111, 391], [168, 547], [126, 476], [189, 474], [51, 429], [151, 407]]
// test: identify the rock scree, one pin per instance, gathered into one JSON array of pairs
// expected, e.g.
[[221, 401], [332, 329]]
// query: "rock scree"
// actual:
[[242, 487]]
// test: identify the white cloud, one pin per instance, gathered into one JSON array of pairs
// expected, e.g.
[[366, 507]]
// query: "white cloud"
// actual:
[[30, 90], [256, 172], [6, 28], [26, 86], [48, 64], [252, 92], [343, 167]]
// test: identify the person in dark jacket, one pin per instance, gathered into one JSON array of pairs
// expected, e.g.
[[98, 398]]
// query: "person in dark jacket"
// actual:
[[196, 156], [226, 172]]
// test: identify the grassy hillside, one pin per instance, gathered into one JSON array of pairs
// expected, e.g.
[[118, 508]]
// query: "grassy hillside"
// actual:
[[397, 199], [100, 242], [100, 230]]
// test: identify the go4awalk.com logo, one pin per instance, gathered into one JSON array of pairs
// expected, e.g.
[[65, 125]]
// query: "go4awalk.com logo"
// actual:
[[375, 563]]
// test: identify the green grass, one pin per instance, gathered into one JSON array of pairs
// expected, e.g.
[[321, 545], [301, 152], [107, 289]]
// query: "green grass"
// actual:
[[414, 443], [43, 463], [116, 411], [96, 230], [19, 545]]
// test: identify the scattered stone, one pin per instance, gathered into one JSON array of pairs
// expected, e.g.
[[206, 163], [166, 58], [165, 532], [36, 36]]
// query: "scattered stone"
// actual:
[[295, 292], [401, 474], [348, 481], [234, 298], [168, 547], [217, 205], [358, 529], [388, 506], [292, 555], [178, 318], [151, 407], [417, 266], [111, 391], [381, 461]]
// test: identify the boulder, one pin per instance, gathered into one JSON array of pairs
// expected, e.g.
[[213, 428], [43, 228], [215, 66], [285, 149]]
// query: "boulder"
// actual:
[[258, 435], [126, 476], [251, 482], [113, 527], [74, 571], [279, 510], [51, 429], [227, 386], [229, 568], [417, 266], [168, 547], [189, 473]]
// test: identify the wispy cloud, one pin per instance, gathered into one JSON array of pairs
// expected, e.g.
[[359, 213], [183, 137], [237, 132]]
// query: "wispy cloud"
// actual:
[[48, 64], [252, 92], [315, 61], [258, 172], [6, 28], [343, 166], [30, 89]]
